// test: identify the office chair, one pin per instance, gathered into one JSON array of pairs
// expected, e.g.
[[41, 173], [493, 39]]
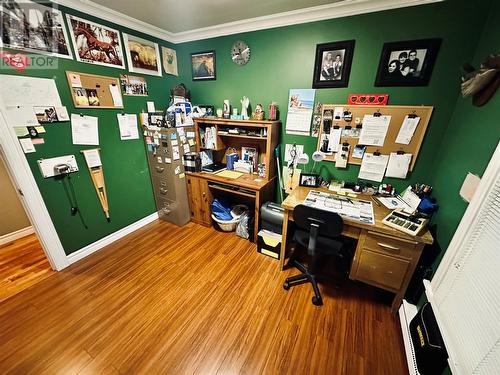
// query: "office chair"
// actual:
[[318, 231]]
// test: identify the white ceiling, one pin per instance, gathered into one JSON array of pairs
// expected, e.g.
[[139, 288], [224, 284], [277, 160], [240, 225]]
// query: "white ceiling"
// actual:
[[186, 20], [179, 16]]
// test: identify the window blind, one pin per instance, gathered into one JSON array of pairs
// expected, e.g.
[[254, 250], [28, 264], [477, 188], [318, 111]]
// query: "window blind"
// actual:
[[466, 293]]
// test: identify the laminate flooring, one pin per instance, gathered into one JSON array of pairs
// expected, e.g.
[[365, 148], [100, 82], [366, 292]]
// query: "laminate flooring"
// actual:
[[193, 300], [22, 264]]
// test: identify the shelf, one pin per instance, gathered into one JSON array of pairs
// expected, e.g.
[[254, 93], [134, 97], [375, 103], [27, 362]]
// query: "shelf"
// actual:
[[212, 149], [243, 136]]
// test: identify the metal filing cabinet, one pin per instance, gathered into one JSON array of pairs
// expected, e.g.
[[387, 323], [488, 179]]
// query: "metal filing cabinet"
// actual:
[[169, 187]]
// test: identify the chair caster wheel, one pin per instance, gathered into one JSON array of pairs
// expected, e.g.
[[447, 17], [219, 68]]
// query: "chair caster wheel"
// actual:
[[317, 301], [286, 286]]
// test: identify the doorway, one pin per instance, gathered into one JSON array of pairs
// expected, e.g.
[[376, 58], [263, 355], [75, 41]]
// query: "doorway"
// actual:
[[22, 260]]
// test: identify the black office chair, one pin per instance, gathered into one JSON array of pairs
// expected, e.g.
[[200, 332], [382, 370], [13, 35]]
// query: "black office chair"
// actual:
[[318, 231]]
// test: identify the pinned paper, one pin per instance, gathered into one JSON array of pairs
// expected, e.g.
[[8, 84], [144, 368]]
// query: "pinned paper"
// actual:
[[186, 148], [27, 145], [128, 126], [178, 169], [151, 106], [182, 175], [37, 141], [374, 130], [21, 131], [373, 167], [174, 143], [168, 160], [175, 153], [40, 129], [398, 165], [191, 142], [173, 136], [84, 130], [62, 114], [342, 156], [407, 130], [116, 94], [190, 134], [75, 80]]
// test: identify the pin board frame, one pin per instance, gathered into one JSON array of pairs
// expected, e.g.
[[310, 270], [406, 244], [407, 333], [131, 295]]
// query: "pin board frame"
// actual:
[[99, 83], [397, 114]]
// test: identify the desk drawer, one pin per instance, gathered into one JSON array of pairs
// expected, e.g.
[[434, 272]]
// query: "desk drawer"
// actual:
[[383, 243], [381, 270]]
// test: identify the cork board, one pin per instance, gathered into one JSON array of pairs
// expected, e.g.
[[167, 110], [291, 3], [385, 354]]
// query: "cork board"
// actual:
[[93, 91], [397, 113]]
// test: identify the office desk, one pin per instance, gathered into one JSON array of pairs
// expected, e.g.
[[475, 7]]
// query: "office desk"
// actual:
[[384, 257], [203, 187]]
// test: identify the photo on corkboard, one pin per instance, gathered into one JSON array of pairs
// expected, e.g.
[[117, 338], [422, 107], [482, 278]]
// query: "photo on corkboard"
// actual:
[[95, 44], [143, 56], [33, 27]]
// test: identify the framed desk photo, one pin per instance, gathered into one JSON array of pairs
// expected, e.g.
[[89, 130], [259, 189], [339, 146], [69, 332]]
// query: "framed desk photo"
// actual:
[[407, 63], [333, 64]]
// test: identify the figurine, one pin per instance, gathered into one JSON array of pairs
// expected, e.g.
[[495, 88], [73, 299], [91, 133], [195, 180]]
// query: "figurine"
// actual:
[[259, 113], [244, 107], [273, 111]]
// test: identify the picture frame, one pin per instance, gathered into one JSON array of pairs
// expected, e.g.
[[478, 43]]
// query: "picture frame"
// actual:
[[407, 63], [95, 44], [203, 66], [143, 56], [133, 85], [250, 154], [17, 16], [332, 65], [309, 179]]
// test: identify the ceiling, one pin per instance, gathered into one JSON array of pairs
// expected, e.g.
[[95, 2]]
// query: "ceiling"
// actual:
[[182, 21], [179, 16]]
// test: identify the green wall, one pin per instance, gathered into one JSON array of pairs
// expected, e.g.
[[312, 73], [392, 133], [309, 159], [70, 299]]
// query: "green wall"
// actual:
[[124, 162], [471, 138], [283, 58]]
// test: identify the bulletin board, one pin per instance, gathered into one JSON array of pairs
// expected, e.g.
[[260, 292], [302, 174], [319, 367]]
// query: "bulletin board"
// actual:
[[397, 113], [90, 85]]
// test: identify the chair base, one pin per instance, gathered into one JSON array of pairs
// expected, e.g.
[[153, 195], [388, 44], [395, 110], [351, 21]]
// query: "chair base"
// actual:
[[305, 276]]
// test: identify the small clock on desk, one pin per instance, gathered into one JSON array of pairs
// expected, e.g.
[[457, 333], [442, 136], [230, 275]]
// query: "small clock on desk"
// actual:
[[240, 53]]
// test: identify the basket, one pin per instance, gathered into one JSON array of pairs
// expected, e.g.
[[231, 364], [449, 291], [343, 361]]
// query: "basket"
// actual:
[[226, 225]]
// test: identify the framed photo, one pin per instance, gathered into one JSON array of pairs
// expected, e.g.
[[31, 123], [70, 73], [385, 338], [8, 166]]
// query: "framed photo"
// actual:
[[309, 179], [333, 64], [407, 63], [133, 85], [143, 56], [95, 44], [46, 114], [33, 27], [203, 66], [250, 154]]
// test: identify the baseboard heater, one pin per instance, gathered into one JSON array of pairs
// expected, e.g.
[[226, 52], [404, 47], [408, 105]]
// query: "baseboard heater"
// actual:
[[407, 312]]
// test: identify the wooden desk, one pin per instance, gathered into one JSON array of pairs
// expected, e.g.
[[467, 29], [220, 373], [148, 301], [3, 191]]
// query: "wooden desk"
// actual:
[[203, 186], [384, 257]]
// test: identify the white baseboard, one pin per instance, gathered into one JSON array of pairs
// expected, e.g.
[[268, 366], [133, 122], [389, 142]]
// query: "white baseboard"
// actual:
[[407, 312], [9, 237], [93, 247]]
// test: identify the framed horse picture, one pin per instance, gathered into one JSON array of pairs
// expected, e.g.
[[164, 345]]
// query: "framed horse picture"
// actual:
[[96, 44]]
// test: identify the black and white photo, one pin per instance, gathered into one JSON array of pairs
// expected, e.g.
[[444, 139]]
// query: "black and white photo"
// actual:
[[309, 179], [333, 64], [33, 27], [407, 63]]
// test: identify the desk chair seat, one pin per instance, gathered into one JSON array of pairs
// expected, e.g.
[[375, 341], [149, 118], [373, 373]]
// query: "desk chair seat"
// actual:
[[319, 232]]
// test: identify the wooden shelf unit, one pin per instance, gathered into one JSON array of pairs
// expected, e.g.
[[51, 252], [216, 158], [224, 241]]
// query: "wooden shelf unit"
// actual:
[[203, 187]]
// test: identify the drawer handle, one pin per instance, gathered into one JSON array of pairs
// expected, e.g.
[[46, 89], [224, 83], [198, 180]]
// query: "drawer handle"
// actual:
[[388, 247], [163, 191], [160, 169]]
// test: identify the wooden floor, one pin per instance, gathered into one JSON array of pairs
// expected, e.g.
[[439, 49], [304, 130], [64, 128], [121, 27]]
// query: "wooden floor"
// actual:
[[191, 300], [22, 264]]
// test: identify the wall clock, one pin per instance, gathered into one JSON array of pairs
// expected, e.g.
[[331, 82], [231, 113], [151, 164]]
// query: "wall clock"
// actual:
[[240, 53]]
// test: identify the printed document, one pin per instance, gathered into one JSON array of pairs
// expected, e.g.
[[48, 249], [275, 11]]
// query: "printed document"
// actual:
[[398, 165], [374, 130], [128, 126], [84, 130], [373, 167], [407, 130]]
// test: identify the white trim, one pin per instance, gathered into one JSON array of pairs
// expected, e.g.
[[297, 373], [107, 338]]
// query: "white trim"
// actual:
[[99, 244], [311, 14], [469, 218], [31, 199], [9, 237]]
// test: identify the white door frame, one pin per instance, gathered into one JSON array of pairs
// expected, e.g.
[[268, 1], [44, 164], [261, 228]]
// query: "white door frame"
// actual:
[[31, 199]]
